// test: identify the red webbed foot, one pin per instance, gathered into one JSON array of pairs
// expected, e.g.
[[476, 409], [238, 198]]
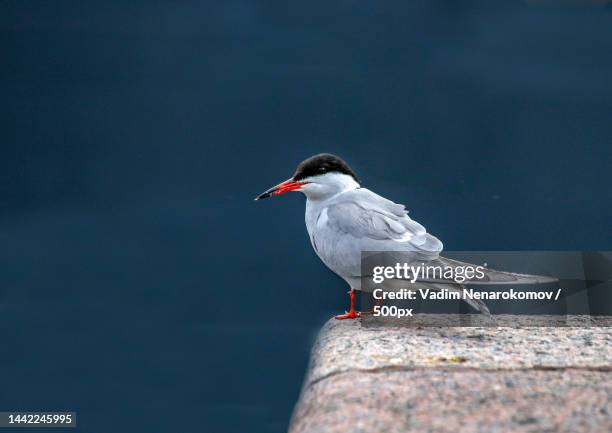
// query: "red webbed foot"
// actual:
[[351, 313]]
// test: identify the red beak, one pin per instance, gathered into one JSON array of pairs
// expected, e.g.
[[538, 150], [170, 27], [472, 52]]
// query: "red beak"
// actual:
[[281, 188]]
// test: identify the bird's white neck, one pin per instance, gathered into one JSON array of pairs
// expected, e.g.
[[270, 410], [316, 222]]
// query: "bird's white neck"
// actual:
[[321, 188]]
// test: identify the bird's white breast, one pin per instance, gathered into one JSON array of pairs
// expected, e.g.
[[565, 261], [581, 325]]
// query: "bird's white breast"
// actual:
[[338, 251]]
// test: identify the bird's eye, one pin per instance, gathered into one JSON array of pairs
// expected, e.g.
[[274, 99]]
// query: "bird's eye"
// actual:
[[321, 169]]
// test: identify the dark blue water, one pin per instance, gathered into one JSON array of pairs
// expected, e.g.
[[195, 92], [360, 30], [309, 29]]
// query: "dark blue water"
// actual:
[[143, 288]]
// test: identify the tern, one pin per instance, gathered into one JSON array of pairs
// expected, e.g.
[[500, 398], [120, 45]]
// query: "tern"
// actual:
[[343, 219]]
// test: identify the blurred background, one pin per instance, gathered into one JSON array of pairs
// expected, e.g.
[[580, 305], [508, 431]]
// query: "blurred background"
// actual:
[[142, 287]]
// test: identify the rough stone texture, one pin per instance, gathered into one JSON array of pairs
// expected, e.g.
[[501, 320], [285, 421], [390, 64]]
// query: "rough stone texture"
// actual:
[[365, 377]]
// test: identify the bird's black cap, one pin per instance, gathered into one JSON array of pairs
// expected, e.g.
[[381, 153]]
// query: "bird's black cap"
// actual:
[[321, 164]]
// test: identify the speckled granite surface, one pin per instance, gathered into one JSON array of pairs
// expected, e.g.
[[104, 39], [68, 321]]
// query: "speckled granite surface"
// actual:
[[368, 378]]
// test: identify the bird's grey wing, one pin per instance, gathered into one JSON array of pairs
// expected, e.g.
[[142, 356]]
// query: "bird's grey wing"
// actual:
[[360, 221], [382, 224]]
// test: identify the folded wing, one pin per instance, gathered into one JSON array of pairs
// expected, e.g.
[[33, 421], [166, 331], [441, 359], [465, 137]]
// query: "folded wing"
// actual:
[[365, 215]]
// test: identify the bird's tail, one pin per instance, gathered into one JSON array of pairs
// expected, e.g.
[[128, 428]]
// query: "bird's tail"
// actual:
[[494, 277]]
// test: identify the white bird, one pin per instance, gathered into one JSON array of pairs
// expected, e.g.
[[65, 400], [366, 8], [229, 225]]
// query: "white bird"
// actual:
[[343, 220]]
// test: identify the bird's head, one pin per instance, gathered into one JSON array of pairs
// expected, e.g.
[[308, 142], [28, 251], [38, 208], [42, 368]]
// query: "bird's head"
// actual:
[[318, 177]]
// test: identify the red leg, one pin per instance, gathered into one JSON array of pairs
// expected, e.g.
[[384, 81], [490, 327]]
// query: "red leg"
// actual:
[[351, 313]]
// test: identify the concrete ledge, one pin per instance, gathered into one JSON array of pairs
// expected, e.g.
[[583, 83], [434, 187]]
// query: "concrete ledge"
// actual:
[[368, 378]]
